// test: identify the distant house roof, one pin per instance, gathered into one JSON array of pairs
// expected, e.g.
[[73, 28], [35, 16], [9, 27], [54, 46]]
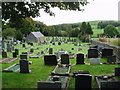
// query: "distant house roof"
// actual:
[[37, 34]]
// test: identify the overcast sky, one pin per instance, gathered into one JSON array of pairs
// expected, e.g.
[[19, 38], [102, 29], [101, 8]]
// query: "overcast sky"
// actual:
[[96, 10]]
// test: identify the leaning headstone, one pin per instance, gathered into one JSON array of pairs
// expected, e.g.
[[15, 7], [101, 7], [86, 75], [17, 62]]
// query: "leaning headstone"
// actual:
[[23, 56], [14, 55], [4, 54], [24, 66], [51, 51], [50, 60], [92, 53], [94, 60], [65, 59], [80, 58], [83, 81], [117, 71], [107, 52]]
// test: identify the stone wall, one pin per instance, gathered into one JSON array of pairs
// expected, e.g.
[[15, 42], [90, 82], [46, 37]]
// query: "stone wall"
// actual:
[[116, 49]]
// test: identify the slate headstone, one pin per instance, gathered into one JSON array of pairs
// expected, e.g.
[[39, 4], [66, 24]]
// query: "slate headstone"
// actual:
[[24, 66], [17, 51], [23, 45], [92, 53], [65, 59], [14, 55], [83, 81], [3, 44], [94, 60], [51, 51], [50, 60], [80, 58]]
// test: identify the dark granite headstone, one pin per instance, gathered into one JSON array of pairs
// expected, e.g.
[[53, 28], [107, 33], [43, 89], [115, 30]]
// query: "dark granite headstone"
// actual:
[[80, 58], [14, 55], [32, 50], [50, 60], [72, 48], [59, 43], [92, 53], [49, 85], [65, 59], [83, 81], [111, 59], [23, 56], [23, 45], [4, 54], [107, 52], [51, 51], [117, 71], [17, 51], [80, 72], [24, 66]]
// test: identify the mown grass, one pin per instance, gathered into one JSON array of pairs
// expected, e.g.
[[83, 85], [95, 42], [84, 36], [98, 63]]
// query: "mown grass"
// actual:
[[41, 72]]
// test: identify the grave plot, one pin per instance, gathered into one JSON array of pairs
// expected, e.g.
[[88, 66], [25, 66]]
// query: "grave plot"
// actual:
[[8, 60], [54, 82], [61, 70], [13, 68]]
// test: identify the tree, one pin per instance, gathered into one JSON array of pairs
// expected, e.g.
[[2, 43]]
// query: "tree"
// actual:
[[17, 10], [83, 28], [89, 29], [18, 35], [8, 33], [75, 32], [110, 31]]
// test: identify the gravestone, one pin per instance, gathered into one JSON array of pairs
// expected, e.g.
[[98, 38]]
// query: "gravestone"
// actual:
[[8, 47], [107, 52], [14, 55], [59, 43], [65, 59], [92, 53], [80, 58], [23, 56], [42, 52], [4, 54], [53, 43], [12, 48], [51, 51], [83, 81], [111, 59], [94, 60], [31, 50], [72, 48], [117, 71], [50, 60], [31, 44], [24, 66], [49, 85], [23, 45], [17, 51], [3, 44], [80, 72]]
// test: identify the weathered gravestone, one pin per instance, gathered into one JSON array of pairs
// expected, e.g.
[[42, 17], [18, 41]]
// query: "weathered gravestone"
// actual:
[[3, 44], [107, 52], [51, 51], [23, 56], [17, 51], [65, 59], [94, 60], [80, 58], [4, 54], [24, 66], [14, 55], [92, 53], [111, 59], [83, 81], [117, 71], [50, 60]]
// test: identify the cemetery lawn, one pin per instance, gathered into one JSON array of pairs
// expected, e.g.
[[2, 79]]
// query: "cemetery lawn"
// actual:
[[40, 72]]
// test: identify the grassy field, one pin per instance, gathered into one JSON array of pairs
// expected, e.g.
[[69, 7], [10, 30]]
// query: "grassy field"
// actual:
[[40, 72]]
